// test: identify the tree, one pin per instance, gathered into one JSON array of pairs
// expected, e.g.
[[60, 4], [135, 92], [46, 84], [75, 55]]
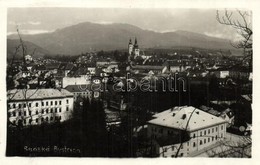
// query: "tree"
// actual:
[[241, 21]]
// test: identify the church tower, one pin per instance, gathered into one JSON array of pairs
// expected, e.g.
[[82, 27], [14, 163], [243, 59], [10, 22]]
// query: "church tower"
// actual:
[[130, 47], [136, 49]]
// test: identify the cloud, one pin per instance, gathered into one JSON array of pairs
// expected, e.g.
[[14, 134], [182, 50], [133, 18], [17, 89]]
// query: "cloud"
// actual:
[[34, 22], [217, 35], [104, 22], [30, 32]]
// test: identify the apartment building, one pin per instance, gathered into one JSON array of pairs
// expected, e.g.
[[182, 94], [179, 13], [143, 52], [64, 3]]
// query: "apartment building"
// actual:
[[37, 106], [187, 128]]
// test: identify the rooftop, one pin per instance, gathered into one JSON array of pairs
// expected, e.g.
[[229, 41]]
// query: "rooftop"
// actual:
[[178, 118], [35, 94], [77, 88]]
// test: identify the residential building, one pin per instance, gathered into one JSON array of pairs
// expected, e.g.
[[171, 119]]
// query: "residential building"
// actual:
[[37, 106], [83, 91], [186, 125]]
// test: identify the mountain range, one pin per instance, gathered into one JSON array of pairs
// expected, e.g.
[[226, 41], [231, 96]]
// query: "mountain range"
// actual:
[[84, 37]]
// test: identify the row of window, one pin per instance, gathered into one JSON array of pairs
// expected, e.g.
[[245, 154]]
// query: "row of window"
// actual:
[[209, 130], [51, 110], [46, 119], [24, 105]]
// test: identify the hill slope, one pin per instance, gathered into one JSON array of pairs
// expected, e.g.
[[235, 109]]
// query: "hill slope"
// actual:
[[87, 36]]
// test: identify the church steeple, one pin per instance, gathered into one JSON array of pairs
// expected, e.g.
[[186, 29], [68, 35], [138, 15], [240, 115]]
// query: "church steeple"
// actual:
[[135, 45]]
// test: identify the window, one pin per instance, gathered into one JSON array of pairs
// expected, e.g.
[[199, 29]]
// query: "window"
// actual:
[[47, 110], [37, 120], [216, 137], [205, 141], [42, 103], [200, 142], [24, 113], [19, 106], [47, 119], [200, 133], [56, 102], [36, 112], [67, 109], [205, 132], [221, 135], [14, 114], [24, 121], [36, 104], [60, 110], [47, 103], [194, 135], [60, 102], [208, 139], [51, 102], [24, 105], [67, 101], [212, 130], [30, 104], [30, 113], [212, 138], [14, 106], [172, 148], [20, 113], [51, 118], [216, 128], [221, 127], [42, 119], [30, 121], [55, 110], [51, 110], [194, 144], [42, 111], [165, 149], [181, 154], [209, 131]]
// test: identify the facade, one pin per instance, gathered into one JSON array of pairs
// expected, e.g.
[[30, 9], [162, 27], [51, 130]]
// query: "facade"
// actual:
[[75, 80], [37, 106], [197, 129], [83, 91]]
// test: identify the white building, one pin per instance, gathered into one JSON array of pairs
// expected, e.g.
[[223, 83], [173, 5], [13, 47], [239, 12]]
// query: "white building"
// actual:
[[170, 127], [37, 106], [75, 80], [28, 57]]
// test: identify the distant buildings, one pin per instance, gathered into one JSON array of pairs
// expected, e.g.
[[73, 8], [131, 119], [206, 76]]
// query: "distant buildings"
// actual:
[[37, 106], [192, 127]]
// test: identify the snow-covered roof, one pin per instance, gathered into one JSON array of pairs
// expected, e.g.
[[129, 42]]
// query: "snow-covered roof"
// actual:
[[178, 118]]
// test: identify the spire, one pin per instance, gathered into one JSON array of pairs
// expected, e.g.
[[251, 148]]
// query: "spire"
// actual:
[[135, 41], [130, 41]]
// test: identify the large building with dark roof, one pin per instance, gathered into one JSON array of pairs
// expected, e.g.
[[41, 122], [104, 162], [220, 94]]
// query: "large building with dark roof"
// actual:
[[37, 106]]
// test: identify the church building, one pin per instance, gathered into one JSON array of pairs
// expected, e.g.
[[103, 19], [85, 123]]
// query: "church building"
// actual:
[[133, 50]]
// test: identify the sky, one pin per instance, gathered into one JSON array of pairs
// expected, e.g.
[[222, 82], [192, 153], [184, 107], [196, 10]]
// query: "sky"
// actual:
[[42, 20]]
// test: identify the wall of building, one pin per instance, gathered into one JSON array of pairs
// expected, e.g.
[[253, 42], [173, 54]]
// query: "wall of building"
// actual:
[[39, 111], [75, 81], [200, 139]]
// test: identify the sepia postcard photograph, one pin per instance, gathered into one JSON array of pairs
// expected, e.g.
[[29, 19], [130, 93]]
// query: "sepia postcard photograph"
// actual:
[[129, 82]]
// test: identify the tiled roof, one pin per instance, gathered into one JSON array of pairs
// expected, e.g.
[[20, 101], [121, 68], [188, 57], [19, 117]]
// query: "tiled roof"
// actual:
[[31, 94], [179, 116], [147, 67]]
